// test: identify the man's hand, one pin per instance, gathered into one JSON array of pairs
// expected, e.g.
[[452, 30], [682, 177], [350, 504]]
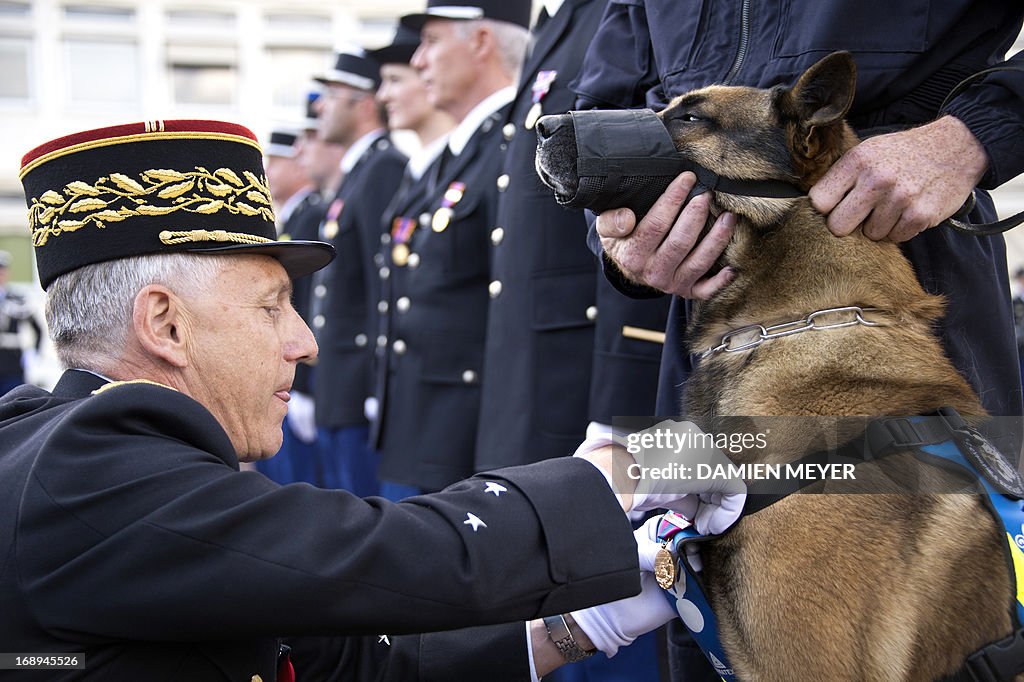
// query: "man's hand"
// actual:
[[901, 184], [662, 251]]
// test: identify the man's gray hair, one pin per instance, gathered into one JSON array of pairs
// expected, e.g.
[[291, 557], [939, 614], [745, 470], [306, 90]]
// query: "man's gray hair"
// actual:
[[89, 310], [511, 42]]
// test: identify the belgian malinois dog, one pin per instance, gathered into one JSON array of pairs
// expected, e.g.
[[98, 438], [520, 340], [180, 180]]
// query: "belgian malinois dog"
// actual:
[[824, 586]]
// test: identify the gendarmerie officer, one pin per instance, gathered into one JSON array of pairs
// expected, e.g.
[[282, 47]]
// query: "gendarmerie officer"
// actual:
[[345, 292], [440, 283], [563, 346]]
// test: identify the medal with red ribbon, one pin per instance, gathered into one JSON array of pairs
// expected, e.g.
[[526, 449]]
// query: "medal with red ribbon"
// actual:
[[329, 230], [665, 564], [443, 215], [401, 230], [541, 87]]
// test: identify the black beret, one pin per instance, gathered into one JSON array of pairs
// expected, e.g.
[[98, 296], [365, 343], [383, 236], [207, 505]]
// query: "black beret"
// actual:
[[154, 187]]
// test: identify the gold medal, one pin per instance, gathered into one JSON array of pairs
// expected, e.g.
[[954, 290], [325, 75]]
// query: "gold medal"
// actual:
[[442, 216], [665, 567], [400, 254], [331, 229], [453, 194], [532, 116]]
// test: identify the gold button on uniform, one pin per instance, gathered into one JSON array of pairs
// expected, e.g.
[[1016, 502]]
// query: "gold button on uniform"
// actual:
[[494, 288], [592, 312], [256, 678], [403, 304], [497, 234], [399, 347], [503, 181]]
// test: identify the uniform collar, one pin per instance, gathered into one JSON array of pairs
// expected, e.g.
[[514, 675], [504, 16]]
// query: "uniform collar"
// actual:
[[358, 148], [421, 160], [293, 202], [459, 138], [552, 6]]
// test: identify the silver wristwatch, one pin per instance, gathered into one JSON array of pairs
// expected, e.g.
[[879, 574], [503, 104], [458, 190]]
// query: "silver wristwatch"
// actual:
[[558, 632]]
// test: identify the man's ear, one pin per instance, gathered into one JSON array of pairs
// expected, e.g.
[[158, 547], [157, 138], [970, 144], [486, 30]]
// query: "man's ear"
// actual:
[[482, 41], [159, 321]]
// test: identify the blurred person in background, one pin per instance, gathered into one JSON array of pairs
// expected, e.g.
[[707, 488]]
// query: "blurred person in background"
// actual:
[[404, 96], [299, 208], [16, 358], [430, 352], [344, 293]]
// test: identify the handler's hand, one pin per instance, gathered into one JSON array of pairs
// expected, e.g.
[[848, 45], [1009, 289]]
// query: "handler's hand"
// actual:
[[662, 251], [901, 184]]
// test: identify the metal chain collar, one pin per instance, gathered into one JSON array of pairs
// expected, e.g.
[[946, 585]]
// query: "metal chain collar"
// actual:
[[754, 335]]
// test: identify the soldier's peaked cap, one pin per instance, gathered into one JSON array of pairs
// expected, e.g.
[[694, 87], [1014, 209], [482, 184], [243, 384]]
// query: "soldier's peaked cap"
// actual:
[[512, 11], [154, 187]]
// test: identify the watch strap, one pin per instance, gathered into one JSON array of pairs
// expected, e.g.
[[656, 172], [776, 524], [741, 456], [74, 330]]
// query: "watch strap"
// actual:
[[561, 636]]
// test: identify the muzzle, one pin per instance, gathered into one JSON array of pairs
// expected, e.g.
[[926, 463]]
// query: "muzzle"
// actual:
[[626, 158]]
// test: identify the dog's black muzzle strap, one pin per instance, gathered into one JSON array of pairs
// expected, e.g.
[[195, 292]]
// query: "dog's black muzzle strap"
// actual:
[[626, 158]]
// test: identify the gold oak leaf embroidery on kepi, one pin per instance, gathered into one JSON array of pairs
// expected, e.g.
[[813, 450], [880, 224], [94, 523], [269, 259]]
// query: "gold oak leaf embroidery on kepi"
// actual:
[[160, 192]]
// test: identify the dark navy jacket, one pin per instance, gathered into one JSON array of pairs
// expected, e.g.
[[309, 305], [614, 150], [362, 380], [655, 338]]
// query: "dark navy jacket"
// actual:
[[540, 356], [345, 291], [436, 318], [128, 534], [909, 56]]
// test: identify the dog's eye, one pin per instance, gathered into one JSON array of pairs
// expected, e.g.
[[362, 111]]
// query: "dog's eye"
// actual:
[[689, 118]]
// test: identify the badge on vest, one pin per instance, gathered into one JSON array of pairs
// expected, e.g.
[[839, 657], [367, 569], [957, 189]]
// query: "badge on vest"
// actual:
[[541, 87]]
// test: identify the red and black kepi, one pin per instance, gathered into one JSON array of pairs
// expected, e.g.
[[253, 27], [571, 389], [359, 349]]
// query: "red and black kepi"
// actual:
[[154, 187]]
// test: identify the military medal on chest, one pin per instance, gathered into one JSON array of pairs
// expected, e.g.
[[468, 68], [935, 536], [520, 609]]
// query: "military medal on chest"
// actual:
[[541, 87], [329, 229], [443, 215], [401, 231]]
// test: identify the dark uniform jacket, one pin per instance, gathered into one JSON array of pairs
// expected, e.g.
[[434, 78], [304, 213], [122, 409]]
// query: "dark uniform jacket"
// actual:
[[128, 534], [345, 291], [909, 56], [436, 314], [304, 224], [540, 354], [14, 312]]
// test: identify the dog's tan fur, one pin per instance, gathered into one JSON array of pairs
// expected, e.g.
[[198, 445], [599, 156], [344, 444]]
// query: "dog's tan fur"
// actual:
[[836, 586], [844, 585]]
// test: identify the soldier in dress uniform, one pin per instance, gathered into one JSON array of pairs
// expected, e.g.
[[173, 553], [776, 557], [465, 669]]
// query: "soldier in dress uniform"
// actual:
[[404, 96], [554, 305], [133, 543], [345, 292], [439, 276], [299, 209], [15, 312]]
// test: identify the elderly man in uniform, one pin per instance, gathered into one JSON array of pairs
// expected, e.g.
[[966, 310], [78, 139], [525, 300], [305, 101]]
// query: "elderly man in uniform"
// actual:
[[431, 360], [345, 292], [133, 543]]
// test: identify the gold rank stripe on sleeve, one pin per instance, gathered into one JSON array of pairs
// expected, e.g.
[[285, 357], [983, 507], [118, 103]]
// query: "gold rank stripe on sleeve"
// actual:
[[643, 334], [156, 192]]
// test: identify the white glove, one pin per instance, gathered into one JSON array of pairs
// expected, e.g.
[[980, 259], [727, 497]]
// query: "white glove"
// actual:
[[618, 623], [713, 503], [301, 411]]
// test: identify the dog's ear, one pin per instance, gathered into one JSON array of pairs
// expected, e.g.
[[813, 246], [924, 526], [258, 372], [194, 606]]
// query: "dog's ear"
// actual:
[[814, 108]]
